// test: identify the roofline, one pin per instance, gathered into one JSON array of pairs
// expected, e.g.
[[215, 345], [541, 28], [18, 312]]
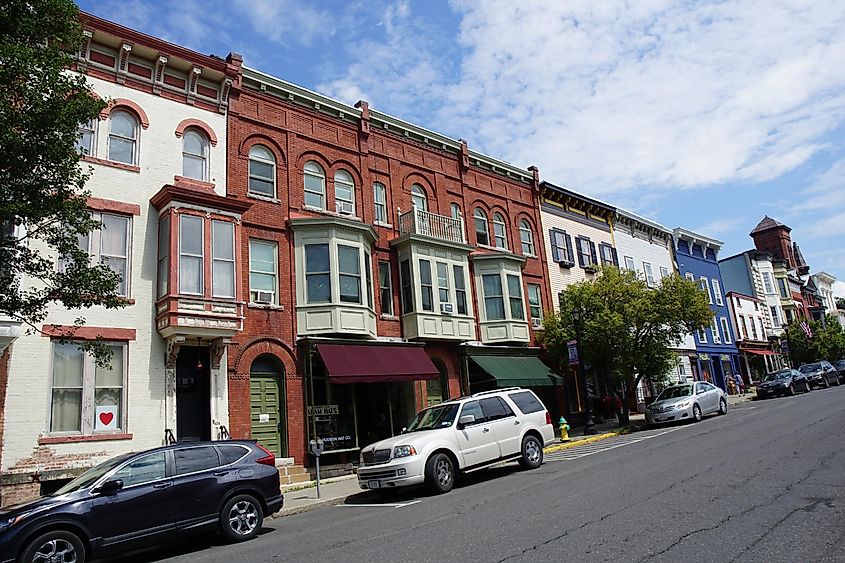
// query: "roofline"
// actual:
[[640, 219], [749, 252], [388, 122], [606, 206], [825, 276], [680, 232], [751, 297]]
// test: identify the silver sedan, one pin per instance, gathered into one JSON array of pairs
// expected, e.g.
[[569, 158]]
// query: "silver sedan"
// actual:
[[686, 401]]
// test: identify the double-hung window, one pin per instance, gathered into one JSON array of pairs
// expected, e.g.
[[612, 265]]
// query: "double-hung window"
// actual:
[[406, 281], [318, 276], [494, 299], [500, 232], [191, 255], [114, 247], [223, 259], [380, 200], [515, 296], [314, 180], [705, 287], [649, 274], [195, 155], [775, 315], [664, 272], [768, 286], [535, 305], [717, 292], [607, 254], [349, 268], [715, 330], [526, 237], [87, 398], [442, 282], [784, 291], [426, 291], [586, 252], [86, 140], [263, 268], [482, 234], [726, 331], [385, 288], [561, 244], [344, 193], [702, 336], [123, 137], [630, 264], [163, 256], [262, 171], [460, 289]]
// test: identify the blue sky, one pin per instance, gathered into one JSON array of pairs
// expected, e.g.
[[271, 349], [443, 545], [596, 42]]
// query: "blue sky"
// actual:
[[707, 115]]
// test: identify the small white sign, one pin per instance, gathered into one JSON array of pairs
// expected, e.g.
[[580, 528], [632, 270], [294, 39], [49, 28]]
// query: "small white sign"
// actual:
[[263, 417], [105, 417]]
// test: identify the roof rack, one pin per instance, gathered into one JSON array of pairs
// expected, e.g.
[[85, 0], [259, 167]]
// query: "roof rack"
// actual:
[[480, 393]]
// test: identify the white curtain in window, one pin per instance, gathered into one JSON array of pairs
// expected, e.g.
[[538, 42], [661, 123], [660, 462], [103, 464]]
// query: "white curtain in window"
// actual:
[[66, 411]]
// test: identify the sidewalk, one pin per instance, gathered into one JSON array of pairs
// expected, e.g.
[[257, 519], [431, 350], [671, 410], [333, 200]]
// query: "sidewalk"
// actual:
[[739, 399], [332, 492]]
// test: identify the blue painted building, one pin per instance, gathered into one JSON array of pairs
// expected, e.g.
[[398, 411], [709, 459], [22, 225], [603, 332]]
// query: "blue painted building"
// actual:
[[716, 355]]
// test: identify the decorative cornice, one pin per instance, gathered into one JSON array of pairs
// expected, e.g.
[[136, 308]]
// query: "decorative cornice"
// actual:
[[337, 222]]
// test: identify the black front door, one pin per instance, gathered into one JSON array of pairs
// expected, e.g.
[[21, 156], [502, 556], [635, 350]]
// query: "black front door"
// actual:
[[193, 394]]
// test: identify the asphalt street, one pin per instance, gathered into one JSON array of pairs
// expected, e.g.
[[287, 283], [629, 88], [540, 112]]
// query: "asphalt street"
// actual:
[[766, 482]]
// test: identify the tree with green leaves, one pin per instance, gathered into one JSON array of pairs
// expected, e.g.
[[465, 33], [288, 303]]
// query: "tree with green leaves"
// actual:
[[627, 329], [827, 342], [42, 196]]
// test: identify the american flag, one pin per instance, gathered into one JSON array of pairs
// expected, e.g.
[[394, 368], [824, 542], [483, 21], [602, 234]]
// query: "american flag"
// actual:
[[806, 328]]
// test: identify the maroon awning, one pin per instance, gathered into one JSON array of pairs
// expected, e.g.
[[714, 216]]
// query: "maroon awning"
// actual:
[[352, 363], [761, 352]]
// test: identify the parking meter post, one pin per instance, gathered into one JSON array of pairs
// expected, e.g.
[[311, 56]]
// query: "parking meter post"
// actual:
[[318, 476], [317, 447]]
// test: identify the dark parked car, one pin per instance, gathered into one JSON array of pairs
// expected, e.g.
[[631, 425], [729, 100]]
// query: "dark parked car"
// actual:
[[840, 369], [782, 382], [820, 374], [141, 499]]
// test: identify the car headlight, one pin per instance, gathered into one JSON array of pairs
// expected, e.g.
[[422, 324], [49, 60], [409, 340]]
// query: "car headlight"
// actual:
[[403, 451], [681, 405], [6, 523]]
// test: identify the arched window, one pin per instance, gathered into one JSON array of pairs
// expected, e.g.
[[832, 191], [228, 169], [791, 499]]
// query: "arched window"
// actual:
[[123, 137], [262, 171], [527, 238], [499, 230], [344, 193], [482, 232], [315, 185], [418, 198], [195, 155]]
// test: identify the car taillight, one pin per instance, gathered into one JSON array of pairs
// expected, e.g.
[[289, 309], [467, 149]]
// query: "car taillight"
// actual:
[[548, 418], [268, 459]]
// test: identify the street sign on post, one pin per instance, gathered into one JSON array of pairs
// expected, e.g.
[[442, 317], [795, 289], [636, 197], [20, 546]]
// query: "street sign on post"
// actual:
[[317, 446], [572, 349]]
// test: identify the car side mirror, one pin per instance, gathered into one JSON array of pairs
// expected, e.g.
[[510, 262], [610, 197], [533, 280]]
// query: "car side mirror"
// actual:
[[466, 419], [110, 487]]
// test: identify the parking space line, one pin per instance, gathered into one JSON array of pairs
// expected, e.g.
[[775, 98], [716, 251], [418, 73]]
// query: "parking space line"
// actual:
[[383, 505]]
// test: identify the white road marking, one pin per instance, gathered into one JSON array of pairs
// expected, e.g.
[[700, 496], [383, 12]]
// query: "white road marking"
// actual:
[[383, 505], [604, 445]]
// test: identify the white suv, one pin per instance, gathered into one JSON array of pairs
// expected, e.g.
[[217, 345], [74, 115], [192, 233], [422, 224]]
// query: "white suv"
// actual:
[[463, 434]]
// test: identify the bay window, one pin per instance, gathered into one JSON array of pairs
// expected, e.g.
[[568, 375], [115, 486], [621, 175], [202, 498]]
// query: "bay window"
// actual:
[[460, 290], [406, 281], [223, 259], [318, 277], [515, 296], [499, 281], [494, 301], [163, 256], [349, 267], [191, 255], [425, 286], [443, 282]]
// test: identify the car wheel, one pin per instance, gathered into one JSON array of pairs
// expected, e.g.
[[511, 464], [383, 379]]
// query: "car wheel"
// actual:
[[532, 453], [723, 406], [440, 473], [241, 518], [57, 545], [696, 413]]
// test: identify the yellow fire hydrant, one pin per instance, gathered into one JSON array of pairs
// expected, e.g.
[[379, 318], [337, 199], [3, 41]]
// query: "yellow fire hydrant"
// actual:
[[564, 429]]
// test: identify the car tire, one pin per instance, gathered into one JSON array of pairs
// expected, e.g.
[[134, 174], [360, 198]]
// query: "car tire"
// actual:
[[241, 518], [723, 406], [440, 473], [532, 453], [696, 413], [52, 544]]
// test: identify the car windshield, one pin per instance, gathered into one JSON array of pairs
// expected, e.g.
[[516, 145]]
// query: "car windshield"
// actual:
[[840, 364], [782, 374], [440, 416], [90, 477], [675, 392], [810, 367]]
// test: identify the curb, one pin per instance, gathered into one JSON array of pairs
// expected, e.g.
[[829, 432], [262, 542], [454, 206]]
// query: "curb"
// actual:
[[309, 507], [582, 441]]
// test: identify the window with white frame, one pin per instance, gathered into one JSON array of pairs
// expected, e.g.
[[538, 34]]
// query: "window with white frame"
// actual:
[[460, 289], [349, 269], [535, 304], [717, 292], [262, 171], [607, 254], [562, 250], [314, 180], [743, 327], [385, 288], [714, 329], [649, 274], [515, 297], [500, 238], [586, 252], [455, 210], [163, 278], [344, 193], [664, 272], [109, 246], [223, 259], [426, 291], [123, 137], [494, 299], [726, 331], [526, 237], [86, 141], [768, 286], [263, 272], [762, 329], [380, 201], [775, 315], [705, 287], [318, 274], [191, 255], [784, 291], [86, 398], [419, 201], [702, 336], [482, 232], [630, 264], [195, 155], [689, 276], [442, 282]]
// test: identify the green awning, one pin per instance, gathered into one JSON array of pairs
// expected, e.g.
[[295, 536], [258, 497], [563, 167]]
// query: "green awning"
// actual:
[[517, 371]]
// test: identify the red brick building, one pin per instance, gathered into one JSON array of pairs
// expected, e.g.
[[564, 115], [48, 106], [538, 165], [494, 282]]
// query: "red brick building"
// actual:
[[385, 267]]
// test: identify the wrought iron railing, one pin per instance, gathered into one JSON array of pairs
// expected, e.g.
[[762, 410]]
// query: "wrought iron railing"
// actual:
[[417, 221]]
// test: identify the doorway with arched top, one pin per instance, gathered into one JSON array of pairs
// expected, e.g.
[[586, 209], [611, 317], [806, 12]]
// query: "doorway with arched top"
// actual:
[[267, 404], [437, 390]]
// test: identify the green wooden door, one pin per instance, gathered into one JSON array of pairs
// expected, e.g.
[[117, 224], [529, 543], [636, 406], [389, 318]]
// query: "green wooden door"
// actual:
[[266, 415]]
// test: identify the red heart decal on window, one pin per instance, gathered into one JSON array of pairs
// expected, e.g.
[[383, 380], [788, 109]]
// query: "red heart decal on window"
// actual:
[[106, 418]]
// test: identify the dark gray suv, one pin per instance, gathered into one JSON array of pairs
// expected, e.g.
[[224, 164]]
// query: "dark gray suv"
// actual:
[[820, 374]]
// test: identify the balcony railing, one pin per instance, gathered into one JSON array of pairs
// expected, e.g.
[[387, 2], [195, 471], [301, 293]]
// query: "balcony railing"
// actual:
[[419, 222]]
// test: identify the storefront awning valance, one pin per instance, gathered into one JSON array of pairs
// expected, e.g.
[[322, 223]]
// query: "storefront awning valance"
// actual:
[[516, 371], [761, 352], [353, 363]]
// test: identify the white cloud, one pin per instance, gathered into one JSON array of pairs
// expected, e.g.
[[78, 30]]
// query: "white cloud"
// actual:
[[720, 227], [287, 21], [839, 288]]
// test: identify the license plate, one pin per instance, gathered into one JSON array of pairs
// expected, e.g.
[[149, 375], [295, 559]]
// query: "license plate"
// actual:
[[373, 484]]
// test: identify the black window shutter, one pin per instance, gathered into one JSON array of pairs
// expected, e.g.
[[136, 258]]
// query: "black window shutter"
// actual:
[[615, 258], [593, 253], [570, 256], [553, 236], [578, 251]]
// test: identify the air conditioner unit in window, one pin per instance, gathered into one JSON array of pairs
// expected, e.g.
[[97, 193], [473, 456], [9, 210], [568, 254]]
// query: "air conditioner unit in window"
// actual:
[[536, 323], [345, 207], [263, 296], [447, 308]]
